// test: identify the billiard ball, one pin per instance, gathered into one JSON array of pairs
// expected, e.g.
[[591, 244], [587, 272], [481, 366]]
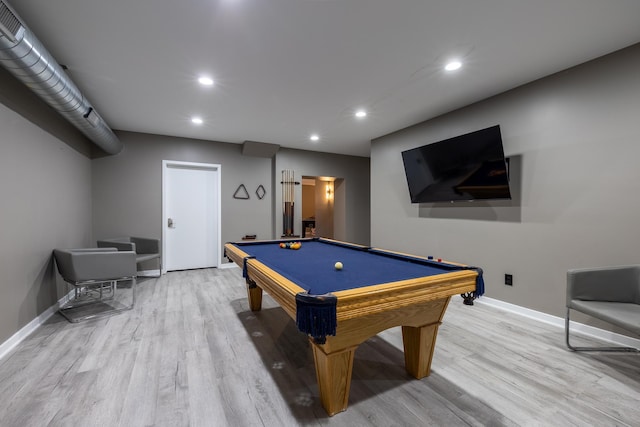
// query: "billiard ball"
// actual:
[[338, 265]]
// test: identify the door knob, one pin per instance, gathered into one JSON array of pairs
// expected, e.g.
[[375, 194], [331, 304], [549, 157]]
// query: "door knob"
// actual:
[[170, 222]]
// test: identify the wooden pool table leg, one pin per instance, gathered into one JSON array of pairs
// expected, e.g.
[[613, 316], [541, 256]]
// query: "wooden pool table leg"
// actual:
[[419, 343], [254, 292], [333, 372]]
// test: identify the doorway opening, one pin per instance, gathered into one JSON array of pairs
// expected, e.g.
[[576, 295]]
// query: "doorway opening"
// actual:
[[323, 207]]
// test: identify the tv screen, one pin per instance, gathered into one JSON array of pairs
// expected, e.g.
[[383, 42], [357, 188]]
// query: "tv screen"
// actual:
[[466, 167]]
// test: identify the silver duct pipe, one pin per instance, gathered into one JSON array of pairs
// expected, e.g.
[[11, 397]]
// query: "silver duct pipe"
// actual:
[[22, 54]]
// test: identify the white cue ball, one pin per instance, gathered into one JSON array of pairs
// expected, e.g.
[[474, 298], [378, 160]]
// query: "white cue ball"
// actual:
[[338, 265]]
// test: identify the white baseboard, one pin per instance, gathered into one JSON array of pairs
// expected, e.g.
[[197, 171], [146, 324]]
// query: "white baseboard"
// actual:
[[576, 327], [149, 273], [27, 329]]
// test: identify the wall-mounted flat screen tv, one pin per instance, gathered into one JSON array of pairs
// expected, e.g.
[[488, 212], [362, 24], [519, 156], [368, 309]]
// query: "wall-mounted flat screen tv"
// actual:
[[466, 167]]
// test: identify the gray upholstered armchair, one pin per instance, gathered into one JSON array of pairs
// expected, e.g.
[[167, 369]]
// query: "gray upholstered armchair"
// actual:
[[94, 274], [146, 249], [611, 294]]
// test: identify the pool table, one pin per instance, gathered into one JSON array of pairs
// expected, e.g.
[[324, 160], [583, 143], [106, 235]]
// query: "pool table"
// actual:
[[341, 308]]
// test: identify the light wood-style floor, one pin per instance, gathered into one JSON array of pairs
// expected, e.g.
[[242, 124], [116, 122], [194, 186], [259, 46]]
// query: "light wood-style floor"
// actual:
[[192, 354]]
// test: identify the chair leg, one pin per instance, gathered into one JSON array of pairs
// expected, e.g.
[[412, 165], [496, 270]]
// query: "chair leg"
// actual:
[[110, 286], [610, 349], [134, 282]]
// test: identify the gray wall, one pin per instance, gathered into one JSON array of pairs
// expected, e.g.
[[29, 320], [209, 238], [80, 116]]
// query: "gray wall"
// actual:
[[353, 224], [18, 97], [127, 188], [575, 141], [45, 188]]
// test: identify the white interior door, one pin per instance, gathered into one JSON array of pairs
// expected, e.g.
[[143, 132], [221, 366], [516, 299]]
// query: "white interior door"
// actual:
[[191, 215]]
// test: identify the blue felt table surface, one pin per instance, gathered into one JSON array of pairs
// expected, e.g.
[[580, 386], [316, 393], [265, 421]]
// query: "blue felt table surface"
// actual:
[[312, 266]]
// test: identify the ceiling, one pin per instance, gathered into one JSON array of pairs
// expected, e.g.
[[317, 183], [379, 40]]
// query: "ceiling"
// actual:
[[284, 69]]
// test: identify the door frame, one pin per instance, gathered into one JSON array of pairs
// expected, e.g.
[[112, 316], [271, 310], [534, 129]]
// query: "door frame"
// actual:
[[191, 165]]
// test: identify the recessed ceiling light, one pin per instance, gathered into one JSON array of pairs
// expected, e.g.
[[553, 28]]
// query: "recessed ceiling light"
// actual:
[[361, 114], [197, 120], [314, 137], [453, 65], [205, 81]]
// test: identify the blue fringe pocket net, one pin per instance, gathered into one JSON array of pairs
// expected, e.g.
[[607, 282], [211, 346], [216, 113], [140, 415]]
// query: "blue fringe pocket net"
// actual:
[[316, 315]]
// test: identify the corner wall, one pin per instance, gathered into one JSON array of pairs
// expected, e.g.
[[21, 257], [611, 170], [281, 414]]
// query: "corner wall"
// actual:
[[575, 139]]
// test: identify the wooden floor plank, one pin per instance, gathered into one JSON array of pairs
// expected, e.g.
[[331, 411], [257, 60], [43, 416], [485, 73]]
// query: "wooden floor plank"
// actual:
[[192, 353]]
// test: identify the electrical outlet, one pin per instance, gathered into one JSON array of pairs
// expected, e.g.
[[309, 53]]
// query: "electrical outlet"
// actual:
[[508, 279]]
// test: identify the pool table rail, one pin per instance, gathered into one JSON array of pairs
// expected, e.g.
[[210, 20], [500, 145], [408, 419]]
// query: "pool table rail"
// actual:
[[403, 293], [281, 289], [354, 303]]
